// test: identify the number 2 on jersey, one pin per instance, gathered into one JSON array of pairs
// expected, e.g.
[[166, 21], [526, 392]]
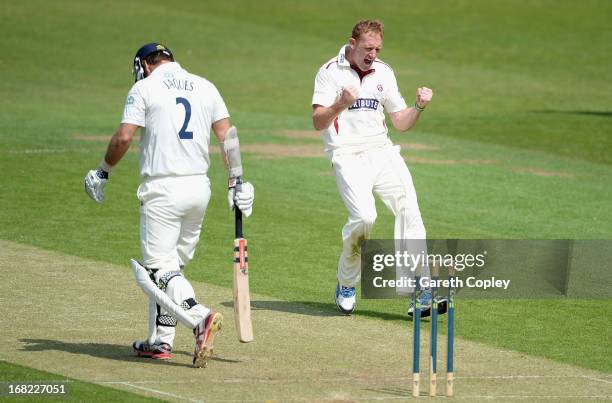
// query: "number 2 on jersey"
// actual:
[[183, 133]]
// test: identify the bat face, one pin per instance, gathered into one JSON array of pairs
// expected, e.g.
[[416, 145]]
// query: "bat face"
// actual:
[[242, 298]]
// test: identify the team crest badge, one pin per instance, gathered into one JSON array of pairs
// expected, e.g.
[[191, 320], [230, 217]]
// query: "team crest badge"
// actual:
[[380, 87]]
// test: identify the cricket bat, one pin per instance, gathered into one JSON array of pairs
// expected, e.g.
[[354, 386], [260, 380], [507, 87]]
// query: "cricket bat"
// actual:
[[242, 297]]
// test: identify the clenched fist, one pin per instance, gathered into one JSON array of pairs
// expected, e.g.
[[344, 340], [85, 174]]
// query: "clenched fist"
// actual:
[[349, 95], [423, 97]]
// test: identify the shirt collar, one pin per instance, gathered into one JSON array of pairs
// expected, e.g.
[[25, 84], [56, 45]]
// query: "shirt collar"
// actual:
[[166, 67], [341, 59]]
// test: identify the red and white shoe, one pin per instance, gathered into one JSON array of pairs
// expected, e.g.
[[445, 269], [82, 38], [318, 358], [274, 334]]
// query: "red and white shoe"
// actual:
[[161, 351], [205, 334]]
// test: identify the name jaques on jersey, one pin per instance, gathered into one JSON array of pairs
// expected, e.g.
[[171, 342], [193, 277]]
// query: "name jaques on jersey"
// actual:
[[181, 85]]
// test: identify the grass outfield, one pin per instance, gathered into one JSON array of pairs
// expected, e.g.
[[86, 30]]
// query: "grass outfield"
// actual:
[[516, 143], [293, 358]]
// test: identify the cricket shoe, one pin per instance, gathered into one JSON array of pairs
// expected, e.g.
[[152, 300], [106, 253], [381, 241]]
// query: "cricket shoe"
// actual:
[[345, 299], [425, 301], [205, 333], [157, 351]]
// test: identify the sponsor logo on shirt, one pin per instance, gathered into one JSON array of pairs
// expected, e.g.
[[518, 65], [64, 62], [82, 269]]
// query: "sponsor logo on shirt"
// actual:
[[365, 103]]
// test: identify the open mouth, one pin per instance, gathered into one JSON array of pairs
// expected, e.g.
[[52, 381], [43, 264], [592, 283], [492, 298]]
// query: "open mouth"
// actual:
[[368, 62]]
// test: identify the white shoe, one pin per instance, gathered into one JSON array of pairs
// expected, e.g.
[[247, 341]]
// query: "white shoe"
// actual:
[[345, 299]]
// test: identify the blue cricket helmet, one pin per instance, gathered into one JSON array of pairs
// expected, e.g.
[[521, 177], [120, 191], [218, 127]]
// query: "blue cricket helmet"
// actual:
[[145, 51]]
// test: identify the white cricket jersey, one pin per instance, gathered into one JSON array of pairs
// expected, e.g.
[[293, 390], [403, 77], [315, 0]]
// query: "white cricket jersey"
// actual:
[[362, 126], [176, 109]]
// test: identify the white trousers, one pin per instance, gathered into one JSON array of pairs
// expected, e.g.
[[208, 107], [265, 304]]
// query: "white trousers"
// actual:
[[172, 209], [358, 176], [171, 214]]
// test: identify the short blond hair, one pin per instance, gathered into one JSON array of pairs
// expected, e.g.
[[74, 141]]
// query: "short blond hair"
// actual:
[[365, 26]]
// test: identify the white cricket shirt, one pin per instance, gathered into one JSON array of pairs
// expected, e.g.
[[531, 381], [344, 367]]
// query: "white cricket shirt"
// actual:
[[176, 109], [362, 126]]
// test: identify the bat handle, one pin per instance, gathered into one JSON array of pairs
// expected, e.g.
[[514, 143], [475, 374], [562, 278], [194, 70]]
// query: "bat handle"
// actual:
[[238, 223], [238, 212]]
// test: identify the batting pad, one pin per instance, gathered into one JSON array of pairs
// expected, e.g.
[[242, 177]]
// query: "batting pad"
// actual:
[[152, 321], [144, 281]]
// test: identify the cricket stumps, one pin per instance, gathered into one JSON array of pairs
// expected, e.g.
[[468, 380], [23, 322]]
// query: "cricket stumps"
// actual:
[[433, 351]]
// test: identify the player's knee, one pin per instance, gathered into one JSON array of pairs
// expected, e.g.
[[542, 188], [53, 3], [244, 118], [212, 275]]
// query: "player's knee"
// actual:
[[185, 253], [177, 287], [413, 224], [367, 219], [419, 231]]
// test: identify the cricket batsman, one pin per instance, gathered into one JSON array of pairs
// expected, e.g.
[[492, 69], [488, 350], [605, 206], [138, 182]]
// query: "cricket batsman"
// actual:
[[352, 92], [177, 111]]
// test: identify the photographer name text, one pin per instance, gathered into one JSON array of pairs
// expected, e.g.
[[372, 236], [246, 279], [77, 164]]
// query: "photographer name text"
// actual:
[[424, 282]]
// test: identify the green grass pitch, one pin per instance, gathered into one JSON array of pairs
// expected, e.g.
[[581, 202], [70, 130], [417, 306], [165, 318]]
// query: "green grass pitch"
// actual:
[[517, 142]]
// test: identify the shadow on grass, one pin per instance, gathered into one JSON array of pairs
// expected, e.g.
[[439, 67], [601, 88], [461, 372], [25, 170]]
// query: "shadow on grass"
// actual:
[[400, 392], [299, 308], [312, 308], [101, 350], [605, 114]]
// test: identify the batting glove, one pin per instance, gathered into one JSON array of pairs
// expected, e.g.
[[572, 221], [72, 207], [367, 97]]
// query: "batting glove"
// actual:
[[95, 180], [243, 198]]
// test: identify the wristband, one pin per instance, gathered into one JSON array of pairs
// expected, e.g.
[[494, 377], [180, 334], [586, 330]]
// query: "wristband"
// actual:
[[418, 108]]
